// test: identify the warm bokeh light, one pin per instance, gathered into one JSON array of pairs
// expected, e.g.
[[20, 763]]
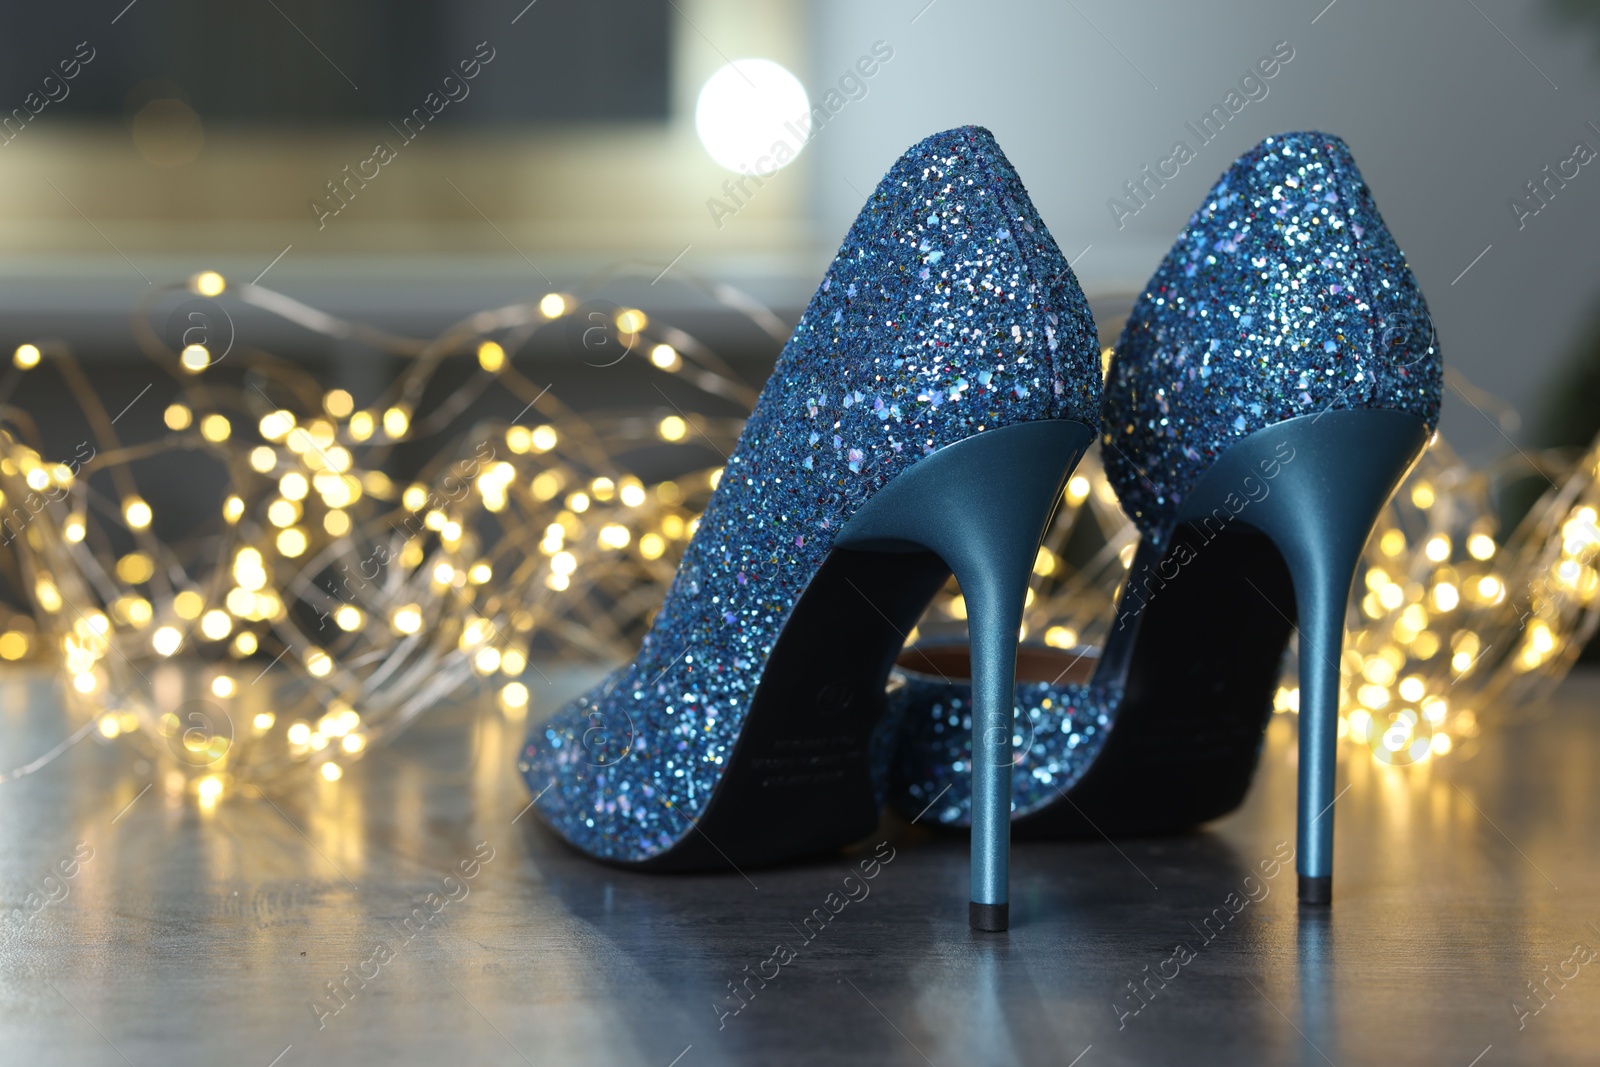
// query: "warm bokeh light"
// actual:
[[309, 581], [136, 512], [491, 357]]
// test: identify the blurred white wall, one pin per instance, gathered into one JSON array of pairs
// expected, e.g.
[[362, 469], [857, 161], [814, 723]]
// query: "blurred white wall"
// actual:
[[1446, 117]]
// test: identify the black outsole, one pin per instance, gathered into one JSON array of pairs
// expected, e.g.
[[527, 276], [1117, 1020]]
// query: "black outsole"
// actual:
[[1187, 735], [799, 782]]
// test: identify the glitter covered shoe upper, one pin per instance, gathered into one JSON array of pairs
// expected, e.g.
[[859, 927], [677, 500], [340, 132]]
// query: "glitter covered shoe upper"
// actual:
[[948, 311], [1058, 730], [1285, 296]]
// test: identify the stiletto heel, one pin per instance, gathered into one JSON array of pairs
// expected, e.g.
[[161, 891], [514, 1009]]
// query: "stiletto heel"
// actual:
[[1273, 384], [982, 506], [922, 419], [1336, 471]]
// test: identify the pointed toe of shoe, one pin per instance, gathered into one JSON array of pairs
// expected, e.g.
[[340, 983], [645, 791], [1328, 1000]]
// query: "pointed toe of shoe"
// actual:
[[578, 767]]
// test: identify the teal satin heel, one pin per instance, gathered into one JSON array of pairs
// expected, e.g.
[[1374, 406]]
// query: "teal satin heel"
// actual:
[[982, 506], [1334, 474]]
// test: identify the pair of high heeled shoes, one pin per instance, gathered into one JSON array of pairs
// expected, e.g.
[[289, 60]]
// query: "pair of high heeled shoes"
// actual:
[[1274, 383]]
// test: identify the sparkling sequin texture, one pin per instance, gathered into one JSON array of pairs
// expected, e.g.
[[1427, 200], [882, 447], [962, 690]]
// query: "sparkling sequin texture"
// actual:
[[1058, 730], [948, 311], [1285, 296]]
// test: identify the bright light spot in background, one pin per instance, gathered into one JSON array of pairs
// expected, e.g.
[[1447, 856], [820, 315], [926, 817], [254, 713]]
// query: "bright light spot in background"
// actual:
[[742, 111]]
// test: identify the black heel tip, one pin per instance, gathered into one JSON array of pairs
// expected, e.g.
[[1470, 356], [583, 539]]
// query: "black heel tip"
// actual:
[[991, 918], [1317, 890]]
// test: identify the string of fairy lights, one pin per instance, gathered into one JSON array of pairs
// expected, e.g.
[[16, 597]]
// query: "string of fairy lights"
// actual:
[[320, 602]]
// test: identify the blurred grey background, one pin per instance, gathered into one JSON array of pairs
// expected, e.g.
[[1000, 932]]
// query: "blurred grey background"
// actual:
[[578, 152]]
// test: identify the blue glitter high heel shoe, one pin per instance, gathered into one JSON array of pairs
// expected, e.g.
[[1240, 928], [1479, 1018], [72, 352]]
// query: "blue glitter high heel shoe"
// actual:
[[1274, 383], [922, 419]]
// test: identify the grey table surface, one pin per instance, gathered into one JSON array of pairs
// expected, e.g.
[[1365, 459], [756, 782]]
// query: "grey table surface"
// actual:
[[189, 937]]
